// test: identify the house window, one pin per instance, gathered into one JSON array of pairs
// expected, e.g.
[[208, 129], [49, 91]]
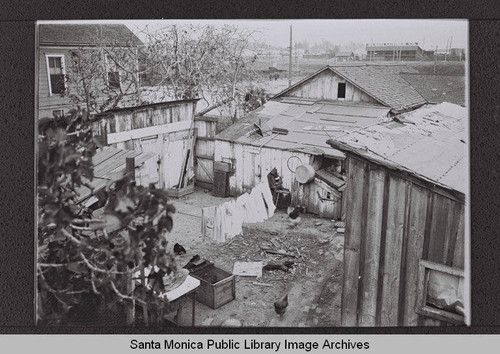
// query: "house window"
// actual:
[[114, 79], [55, 68], [113, 73], [341, 90], [440, 292]]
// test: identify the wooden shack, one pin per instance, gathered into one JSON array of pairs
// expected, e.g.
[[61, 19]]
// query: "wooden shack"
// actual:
[[405, 217], [166, 128], [292, 128]]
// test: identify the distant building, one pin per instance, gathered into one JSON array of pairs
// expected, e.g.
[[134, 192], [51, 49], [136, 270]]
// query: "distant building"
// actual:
[[343, 57], [318, 56], [394, 52]]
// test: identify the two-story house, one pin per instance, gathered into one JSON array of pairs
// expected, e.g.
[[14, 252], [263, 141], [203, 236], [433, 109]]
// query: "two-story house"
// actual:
[[60, 44]]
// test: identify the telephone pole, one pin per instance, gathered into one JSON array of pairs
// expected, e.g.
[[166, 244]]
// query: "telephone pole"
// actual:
[[290, 60]]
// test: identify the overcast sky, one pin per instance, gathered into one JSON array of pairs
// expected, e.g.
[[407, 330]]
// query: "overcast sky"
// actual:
[[428, 33]]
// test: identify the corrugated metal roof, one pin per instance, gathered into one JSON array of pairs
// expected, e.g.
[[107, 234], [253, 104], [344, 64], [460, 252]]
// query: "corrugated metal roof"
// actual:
[[87, 34], [431, 142], [308, 126]]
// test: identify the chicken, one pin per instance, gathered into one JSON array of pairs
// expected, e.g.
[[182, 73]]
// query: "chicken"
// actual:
[[294, 216], [280, 306], [284, 266], [178, 249]]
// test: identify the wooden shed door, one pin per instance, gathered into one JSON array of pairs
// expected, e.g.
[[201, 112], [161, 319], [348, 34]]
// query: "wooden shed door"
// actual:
[[176, 146]]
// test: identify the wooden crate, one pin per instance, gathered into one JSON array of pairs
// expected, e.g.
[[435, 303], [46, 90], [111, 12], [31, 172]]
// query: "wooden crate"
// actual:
[[217, 287]]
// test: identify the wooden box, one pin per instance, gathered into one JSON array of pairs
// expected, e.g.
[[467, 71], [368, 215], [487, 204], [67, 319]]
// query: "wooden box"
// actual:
[[217, 287], [221, 184]]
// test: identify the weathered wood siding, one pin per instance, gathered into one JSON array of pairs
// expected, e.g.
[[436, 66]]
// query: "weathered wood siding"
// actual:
[[252, 164], [127, 119], [173, 136], [204, 151], [391, 223], [311, 196], [325, 87]]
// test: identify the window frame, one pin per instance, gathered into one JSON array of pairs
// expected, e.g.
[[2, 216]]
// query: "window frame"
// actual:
[[108, 71], [424, 268], [63, 70], [338, 90]]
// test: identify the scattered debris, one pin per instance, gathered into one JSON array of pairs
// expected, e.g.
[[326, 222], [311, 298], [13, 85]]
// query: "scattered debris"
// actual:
[[273, 251], [248, 269], [261, 284], [207, 322], [232, 322], [275, 243], [281, 131], [339, 224]]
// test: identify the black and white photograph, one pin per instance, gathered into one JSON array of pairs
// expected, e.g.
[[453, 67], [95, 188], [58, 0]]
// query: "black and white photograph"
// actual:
[[252, 173]]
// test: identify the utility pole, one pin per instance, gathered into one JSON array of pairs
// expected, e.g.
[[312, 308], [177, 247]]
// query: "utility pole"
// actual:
[[451, 40], [435, 57], [446, 50], [290, 61]]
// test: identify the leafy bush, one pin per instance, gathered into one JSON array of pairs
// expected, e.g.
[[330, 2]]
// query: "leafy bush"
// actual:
[[84, 261]]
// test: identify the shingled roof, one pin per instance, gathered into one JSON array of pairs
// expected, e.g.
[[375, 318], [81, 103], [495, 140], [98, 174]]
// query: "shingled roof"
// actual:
[[438, 88], [382, 82], [87, 34]]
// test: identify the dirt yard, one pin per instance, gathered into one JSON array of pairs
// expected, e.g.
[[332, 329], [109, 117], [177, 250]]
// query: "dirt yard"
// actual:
[[313, 284]]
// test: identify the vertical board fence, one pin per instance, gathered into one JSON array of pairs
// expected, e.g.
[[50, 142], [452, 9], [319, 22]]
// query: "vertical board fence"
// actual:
[[392, 222]]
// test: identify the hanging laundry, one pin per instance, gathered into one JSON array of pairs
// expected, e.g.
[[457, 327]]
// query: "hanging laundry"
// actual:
[[208, 221], [225, 221]]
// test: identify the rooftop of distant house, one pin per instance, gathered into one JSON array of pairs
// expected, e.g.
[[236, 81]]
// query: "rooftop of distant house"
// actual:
[[87, 34], [380, 81], [437, 88]]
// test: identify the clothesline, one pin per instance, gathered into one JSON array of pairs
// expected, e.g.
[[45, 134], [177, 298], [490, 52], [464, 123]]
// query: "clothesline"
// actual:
[[225, 221]]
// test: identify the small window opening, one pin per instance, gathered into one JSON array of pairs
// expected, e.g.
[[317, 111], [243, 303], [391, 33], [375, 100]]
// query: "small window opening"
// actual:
[[341, 90], [114, 79]]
